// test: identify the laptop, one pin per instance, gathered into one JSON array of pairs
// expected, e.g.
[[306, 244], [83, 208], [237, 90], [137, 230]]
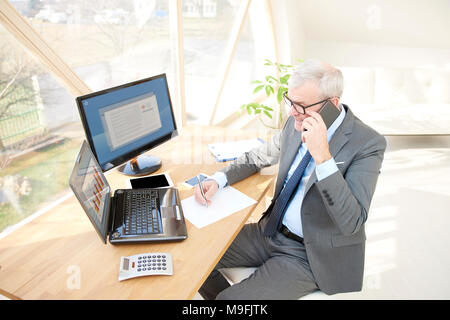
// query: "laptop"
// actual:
[[130, 215]]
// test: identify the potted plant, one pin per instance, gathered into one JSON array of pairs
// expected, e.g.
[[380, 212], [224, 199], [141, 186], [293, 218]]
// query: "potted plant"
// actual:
[[274, 85]]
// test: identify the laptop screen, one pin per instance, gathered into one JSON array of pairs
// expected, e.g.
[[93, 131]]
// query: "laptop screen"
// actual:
[[91, 189]]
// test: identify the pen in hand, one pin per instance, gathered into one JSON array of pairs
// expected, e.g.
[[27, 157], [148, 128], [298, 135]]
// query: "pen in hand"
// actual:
[[201, 190]]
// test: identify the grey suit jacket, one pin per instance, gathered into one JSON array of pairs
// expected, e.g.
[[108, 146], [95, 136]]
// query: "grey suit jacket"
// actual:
[[334, 209]]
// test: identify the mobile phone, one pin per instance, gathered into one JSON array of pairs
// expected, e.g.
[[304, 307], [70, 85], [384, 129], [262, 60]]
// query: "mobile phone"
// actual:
[[190, 183], [329, 113], [156, 181]]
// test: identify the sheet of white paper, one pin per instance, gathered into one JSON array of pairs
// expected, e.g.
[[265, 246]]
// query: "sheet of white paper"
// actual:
[[224, 203]]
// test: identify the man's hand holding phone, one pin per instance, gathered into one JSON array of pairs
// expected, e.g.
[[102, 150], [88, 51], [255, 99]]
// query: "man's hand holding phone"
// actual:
[[315, 137], [210, 188]]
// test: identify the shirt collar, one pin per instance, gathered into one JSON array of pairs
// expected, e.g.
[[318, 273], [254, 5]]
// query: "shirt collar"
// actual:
[[332, 129]]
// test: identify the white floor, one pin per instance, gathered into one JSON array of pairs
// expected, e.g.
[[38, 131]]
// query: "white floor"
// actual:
[[408, 229], [407, 251]]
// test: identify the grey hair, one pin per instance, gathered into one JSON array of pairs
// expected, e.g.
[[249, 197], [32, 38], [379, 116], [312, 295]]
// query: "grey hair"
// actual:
[[329, 78]]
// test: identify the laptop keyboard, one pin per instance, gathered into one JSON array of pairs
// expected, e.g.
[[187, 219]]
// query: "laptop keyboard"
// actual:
[[141, 212]]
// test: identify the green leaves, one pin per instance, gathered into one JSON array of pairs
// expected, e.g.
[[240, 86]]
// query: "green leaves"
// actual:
[[258, 88], [284, 79], [269, 90], [275, 83], [272, 79], [280, 92], [256, 108], [271, 83]]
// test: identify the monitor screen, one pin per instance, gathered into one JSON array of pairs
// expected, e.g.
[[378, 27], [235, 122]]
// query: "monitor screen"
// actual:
[[122, 122]]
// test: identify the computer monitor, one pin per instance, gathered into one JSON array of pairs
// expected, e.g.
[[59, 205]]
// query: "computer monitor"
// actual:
[[125, 121]]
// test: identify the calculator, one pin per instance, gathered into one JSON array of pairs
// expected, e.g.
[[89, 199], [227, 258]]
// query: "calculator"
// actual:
[[145, 264]]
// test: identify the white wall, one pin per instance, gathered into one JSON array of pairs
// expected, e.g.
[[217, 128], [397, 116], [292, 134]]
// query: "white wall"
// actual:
[[353, 54], [389, 42], [289, 30], [364, 32]]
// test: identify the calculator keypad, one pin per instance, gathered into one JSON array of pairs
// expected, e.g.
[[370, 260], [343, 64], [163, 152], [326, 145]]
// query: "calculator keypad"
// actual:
[[145, 264], [152, 262]]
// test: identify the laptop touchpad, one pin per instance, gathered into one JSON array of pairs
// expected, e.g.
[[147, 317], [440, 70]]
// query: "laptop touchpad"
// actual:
[[171, 212], [168, 212]]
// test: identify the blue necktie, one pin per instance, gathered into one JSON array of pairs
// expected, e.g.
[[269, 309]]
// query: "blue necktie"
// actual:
[[279, 208]]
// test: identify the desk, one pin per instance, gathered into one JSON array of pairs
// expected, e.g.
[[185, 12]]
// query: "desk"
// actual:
[[59, 255]]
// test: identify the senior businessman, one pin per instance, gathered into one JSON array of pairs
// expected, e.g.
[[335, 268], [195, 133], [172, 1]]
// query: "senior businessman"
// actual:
[[312, 235]]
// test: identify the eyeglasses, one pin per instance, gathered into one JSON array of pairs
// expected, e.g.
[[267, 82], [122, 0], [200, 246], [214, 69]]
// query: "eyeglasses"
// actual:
[[299, 108]]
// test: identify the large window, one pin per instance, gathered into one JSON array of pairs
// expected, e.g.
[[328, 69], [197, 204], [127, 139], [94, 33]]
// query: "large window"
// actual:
[[93, 45], [106, 42], [225, 44], [208, 27], [38, 144]]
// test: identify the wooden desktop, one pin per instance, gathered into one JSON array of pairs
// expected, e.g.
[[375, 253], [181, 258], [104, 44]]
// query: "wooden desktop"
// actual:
[[59, 255]]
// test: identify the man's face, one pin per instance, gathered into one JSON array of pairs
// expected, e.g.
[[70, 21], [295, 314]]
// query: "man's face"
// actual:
[[305, 95]]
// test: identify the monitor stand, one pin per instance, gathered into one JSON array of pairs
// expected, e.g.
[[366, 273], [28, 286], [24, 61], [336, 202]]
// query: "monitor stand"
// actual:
[[140, 166]]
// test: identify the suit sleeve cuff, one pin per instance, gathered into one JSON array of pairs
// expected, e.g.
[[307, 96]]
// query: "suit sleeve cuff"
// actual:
[[326, 169], [220, 178]]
